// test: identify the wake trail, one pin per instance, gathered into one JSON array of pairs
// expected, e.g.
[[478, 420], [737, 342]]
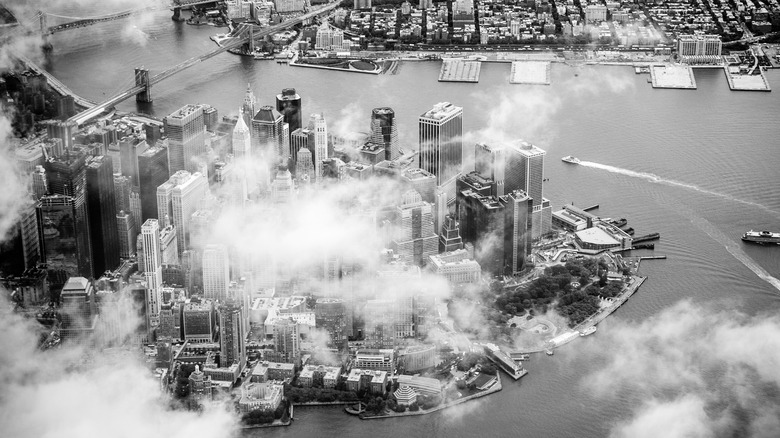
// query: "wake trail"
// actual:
[[651, 177]]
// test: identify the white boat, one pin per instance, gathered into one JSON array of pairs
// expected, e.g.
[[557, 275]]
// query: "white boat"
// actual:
[[570, 159], [588, 331]]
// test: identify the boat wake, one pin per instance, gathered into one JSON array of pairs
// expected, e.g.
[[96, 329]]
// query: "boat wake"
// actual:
[[670, 182]]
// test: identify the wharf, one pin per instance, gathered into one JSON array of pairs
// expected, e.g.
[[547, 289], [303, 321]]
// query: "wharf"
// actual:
[[530, 72], [746, 82], [672, 76], [458, 70]]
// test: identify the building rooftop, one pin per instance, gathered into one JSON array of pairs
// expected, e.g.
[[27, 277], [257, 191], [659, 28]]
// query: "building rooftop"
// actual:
[[597, 236], [75, 284], [441, 110]]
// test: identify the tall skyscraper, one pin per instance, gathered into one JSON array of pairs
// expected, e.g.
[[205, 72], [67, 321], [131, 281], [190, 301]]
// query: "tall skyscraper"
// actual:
[[301, 138], [40, 184], [441, 145], [288, 103], [287, 341], [177, 199], [186, 131], [482, 223], [129, 149], [77, 309], [248, 108], [152, 172], [127, 233], [525, 171], [384, 132], [58, 230], [450, 235], [304, 169], [102, 214], [517, 230], [232, 338], [417, 239], [152, 261], [319, 127], [267, 135], [67, 177], [331, 314], [282, 190], [122, 193], [216, 272], [242, 154], [490, 162]]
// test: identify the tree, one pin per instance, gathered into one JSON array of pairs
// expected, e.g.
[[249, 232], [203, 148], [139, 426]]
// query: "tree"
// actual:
[[414, 407]]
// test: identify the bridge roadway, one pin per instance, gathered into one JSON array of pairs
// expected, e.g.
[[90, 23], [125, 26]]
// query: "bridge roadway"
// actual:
[[88, 21], [94, 111]]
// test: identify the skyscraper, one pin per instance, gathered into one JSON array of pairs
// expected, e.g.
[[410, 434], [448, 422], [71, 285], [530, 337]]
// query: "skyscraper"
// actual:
[[40, 185], [331, 314], [525, 171], [490, 162], [288, 103], [417, 239], [287, 341], [152, 172], [319, 151], [441, 145], [248, 108], [77, 309], [216, 272], [186, 131], [102, 214], [129, 149], [267, 135], [177, 199], [517, 230], [304, 169], [58, 230], [384, 132], [282, 190], [67, 177], [301, 138], [122, 193], [450, 235], [152, 261], [127, 233], [232, 338]]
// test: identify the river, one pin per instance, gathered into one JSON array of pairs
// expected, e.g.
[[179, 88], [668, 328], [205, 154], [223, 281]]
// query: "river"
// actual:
[[697, 166]]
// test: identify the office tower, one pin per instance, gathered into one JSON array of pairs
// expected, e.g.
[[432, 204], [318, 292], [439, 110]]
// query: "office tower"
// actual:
[[77, 308], [169, 248], [200, 228], [482, 223], [242, 154], [139, 252], [490, 162], [168, 316], [287, 340], [129, 149], [153, 133], [288, 103], [450, 239], [198, 321], [440, 209], [285, 146], [266, 135], [210, 118], [248, 108], [152, 261], [416, 238], [379, 331], [282, 190], [28, 228], [384, 132], [152, 172], [331, 315], [216, 272], [186, 132], [319, 127], [40, 185], [177, 199], [518, 208], [301, 138], [122, 193], [67, 177], [304, 169], [127, 233], [525, 171], [102, 214], [441, 145], [232, 338]]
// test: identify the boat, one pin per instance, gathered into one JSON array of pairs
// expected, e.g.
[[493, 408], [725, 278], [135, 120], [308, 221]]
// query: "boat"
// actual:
[[588, 331], [549, 352], [761, 237], [571, 160], [619, 222]]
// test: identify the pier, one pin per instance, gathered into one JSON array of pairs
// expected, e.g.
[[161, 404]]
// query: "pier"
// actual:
[[530, 73], [458, 70], [592, 207], [672, 76], [647, 237]]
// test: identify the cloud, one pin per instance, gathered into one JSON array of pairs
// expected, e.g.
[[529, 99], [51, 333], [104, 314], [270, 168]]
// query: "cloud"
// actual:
[[704, 371]]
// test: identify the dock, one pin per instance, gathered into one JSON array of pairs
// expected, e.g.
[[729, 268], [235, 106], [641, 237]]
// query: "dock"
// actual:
[[504, 361], [672, 76], [458, 70], [647, 237], [660, 257], [592, 207], [739, 81], [530, 73]]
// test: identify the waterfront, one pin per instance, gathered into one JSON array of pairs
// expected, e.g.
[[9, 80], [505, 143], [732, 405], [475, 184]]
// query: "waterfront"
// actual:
[[700, 167]]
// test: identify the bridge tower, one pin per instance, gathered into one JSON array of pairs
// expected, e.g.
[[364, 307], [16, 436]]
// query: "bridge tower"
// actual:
[[177, 11], [142, 78], [42, 19]]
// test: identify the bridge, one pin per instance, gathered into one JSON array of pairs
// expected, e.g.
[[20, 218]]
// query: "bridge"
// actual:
[[144, 82], [55, 83]]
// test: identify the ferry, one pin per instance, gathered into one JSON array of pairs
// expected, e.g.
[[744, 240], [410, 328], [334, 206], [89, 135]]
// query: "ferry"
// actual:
[[588, 331], [761, 237], [549, 352], [571, 160]]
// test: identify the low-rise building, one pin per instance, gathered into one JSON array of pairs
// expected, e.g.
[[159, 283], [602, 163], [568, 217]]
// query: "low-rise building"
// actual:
[[264, 396], [373, 381], [375, 360], [421, 385], [417, 357], [315, 375]]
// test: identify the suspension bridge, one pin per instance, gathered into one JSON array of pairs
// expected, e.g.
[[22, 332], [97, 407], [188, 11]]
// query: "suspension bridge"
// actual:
[[144, 81]]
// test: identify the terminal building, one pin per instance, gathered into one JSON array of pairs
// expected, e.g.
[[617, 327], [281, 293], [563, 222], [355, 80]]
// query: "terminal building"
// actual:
[[601, 237]]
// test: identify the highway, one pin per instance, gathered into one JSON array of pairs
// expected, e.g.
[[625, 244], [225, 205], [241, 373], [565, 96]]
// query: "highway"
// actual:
[[94, 111]]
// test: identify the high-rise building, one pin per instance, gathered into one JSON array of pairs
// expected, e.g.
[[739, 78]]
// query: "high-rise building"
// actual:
[[288, 103], [517, 230], [127, 233], [331, 315], [384, 132], [102, 214], [490, 162], [282, 190], [199, 324], [301, 138], [177, 199], [152, 261], [319, 127], [152, 172], [77, 309], [450, 239], [441, 145], [304, 169], [58, 230], [122, 194], [68, 177], [169, 249], [232, 338], [699, 48], [28, 228], [186, 131], [417, 239], [248, 108], [525, 171], [266, 135], [216, 272], [287, 341], [129, 149], [40, 185], [482, 223], [242, 154]]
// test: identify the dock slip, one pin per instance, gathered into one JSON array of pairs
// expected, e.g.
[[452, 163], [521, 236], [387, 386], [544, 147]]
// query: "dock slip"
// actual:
[[458, 70], [592, 207], [647, 237], [662, 257]]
